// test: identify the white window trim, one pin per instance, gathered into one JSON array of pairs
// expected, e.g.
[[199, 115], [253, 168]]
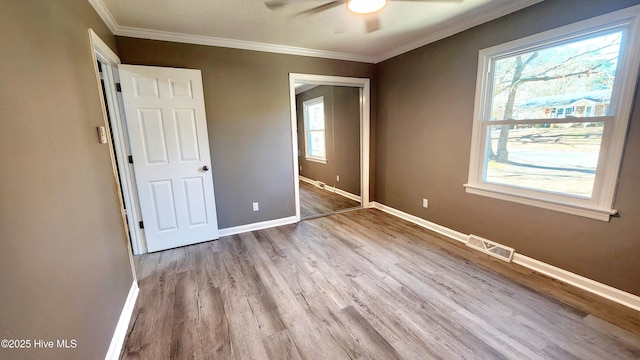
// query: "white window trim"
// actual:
[[600, 206], [305, 105]]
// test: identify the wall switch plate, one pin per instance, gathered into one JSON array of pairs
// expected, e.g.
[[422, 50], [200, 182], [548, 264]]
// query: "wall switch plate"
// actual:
[[102, 135], [337, 177], [255, 206], [425, 203]]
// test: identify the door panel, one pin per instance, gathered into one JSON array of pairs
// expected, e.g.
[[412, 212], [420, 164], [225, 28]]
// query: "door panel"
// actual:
[[187, 135], [165, 209], [153, 136], [167, 130], [194, 192]]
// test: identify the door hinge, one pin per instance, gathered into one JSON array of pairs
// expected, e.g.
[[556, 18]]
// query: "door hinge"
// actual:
[[118, 87], [130, 159], [141, 224]]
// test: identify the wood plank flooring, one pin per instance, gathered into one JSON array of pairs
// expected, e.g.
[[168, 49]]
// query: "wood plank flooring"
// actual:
[[315, 201], [362, 285]]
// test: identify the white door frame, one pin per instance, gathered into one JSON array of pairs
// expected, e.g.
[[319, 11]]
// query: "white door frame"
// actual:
[[365, 120], [101, 52]]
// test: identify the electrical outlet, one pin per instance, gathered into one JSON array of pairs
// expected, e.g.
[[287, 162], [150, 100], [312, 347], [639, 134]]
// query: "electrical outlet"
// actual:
[[425, 203], [256, 207], [300, 167], [337, 177]]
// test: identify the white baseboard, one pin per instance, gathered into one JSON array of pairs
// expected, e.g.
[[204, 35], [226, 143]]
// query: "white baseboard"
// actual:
[[332, 189], [621, 297], [348, 195], [123, 324], [455, 235], [592, 286], [307, 180], [257, 226]]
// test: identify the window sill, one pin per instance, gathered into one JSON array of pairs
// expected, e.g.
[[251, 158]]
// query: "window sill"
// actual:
[[584, 210], [315, 159]]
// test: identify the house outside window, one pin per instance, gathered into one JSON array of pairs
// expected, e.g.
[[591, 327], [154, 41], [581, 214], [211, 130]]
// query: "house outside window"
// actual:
[[551, 115], [314, 130]]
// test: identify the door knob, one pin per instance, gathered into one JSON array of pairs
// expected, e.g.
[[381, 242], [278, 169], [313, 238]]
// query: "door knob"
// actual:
[[205, 168]]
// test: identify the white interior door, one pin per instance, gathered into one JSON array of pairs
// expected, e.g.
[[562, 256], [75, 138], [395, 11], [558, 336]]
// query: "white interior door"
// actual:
[[167, 129]]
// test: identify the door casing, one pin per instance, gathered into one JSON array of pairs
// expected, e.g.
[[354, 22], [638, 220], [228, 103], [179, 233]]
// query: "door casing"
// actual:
[[106, 56]]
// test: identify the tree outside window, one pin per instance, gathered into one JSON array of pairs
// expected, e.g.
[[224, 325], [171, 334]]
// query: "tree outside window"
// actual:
[[551, 115]]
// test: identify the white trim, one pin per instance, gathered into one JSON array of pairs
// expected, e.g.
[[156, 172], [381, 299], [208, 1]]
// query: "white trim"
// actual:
[[120, 333], [592, 286], [257, 226], [365, 132], [308, 181], [315, 159], [347, 194], [332, 189], [455, 235], [608, 292], [600, 205], [238, 44], [105, 15], [586, 210], [102, 49], [107, 57], [458, 27]]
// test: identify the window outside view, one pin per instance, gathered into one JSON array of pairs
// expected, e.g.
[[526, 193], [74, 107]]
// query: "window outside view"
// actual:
[[560, 96], [314, 122]]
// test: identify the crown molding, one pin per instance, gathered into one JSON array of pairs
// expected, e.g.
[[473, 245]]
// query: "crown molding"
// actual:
[[462, 25], [238, 44], [141, 33], [105, 15]]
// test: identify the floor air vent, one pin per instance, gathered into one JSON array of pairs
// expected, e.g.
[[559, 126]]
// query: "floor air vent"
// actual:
[[489, 247]]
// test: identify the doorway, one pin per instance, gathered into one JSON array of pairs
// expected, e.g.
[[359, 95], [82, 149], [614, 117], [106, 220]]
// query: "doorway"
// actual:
[[330, 139], [106, 63]]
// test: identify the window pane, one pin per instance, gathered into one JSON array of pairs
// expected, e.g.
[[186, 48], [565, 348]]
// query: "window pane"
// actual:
[[559, 158], [315, 116], [316, 144], [552, 82]]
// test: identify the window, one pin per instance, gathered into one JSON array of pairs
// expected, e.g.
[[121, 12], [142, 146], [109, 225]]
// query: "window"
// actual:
[[532, 141], [314, 125]]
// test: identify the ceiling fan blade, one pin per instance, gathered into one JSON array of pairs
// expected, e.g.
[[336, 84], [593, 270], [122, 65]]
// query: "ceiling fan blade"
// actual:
[[323, 7], [372, 23], [274, 4]]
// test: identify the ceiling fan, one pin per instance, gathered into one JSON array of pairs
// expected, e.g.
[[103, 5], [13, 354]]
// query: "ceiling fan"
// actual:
[[368, 8]]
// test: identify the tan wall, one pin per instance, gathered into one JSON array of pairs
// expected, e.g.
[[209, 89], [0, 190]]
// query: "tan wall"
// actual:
[[64, 263], [425, 109], [346, 134], [248, 117]]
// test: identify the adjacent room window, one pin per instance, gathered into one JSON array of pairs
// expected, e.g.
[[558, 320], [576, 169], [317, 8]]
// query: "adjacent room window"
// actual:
[[551, 116], [314, 126]]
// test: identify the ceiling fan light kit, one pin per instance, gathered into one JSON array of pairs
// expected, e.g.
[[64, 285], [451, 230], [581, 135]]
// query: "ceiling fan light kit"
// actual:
[[365, 6]]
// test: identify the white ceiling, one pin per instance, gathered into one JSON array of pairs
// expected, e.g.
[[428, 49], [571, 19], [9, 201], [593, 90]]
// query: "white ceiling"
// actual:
[[334, 33]]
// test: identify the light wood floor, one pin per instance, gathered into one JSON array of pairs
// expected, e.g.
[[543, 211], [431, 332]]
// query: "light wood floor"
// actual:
[[362, 284], [315, 201]]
